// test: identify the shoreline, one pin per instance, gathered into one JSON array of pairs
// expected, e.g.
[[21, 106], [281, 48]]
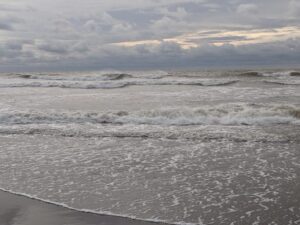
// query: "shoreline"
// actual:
[[22, 210]]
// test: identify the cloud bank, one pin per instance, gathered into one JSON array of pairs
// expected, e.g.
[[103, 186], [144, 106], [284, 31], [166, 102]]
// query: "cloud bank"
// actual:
[[147, 34]]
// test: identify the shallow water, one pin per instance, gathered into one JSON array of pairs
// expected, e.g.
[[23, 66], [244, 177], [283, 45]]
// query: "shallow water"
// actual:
[[182, 147]]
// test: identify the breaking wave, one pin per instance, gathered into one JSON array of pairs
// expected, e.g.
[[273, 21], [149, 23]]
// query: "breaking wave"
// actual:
[[230, 114], [91, 76], [72, 85], [295, 74], [282, 82], [55, 77], [251, 74], [270, 74], [118, 84]]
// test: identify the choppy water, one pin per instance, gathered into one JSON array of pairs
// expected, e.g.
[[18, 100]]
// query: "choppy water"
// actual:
[[183, 147]]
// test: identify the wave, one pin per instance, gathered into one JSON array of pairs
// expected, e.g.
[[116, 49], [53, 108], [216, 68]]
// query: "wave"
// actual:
[[251, 74], [196, 82], [282, 82], [91, 76], [151, 75], [117, 84], [230, 114], [196, 133], [57, 77], [294, 74], [71, 85], [270, 74]]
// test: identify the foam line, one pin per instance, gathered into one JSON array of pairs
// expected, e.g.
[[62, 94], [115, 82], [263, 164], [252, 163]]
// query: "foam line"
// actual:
[[94, 212]]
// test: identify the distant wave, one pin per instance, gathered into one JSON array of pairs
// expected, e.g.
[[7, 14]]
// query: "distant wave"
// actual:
[[117, 84], [231, 114], [73, 85], [294, 74], [251, 74], [144, 132], [95, 76], [56, 77], [269, 74], [117, 75], [282, 82]]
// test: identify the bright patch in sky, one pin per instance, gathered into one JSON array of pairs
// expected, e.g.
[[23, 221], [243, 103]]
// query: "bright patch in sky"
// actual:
[[222, 37]]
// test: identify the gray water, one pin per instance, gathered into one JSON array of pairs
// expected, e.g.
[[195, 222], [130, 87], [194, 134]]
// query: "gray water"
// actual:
[[197, 147]]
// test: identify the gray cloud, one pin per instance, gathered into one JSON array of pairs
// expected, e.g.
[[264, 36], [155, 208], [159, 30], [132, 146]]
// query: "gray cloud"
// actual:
[[8, 22], [63, 34], [248, 9], [5, 26]]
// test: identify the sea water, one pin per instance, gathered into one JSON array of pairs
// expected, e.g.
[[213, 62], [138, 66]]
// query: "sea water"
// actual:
[[184, 147]]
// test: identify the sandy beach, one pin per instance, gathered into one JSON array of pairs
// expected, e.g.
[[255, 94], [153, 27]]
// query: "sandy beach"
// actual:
[[20, 210]]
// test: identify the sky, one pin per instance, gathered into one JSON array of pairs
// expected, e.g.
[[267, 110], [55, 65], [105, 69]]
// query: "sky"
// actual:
[[148, 34]]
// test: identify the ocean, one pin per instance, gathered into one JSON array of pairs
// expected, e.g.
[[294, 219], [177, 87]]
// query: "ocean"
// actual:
[[181, 147]]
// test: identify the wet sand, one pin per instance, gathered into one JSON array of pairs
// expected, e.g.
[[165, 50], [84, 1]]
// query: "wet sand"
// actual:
[[20, 210]]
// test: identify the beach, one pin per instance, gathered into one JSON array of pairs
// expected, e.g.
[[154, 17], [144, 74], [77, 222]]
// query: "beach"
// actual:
[[17, 209]]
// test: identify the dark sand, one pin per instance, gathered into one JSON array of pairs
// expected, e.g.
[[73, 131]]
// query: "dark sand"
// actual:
[[20, 210]]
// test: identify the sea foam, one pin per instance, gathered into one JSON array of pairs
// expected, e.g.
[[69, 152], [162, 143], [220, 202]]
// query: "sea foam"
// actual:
[[223, 114]]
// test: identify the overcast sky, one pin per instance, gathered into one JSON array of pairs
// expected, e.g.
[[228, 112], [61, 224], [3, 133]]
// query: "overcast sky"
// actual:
[[148, 34]]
